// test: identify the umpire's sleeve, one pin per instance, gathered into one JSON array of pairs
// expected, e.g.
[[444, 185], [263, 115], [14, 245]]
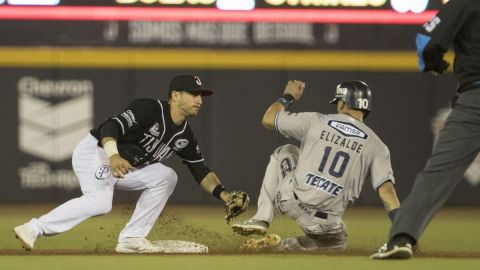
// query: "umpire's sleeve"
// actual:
[[435, 37]]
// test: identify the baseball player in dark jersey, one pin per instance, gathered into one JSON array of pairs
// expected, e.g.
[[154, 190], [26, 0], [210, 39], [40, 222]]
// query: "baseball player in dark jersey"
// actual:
[[458, 143], [313, 184], [125, 152]]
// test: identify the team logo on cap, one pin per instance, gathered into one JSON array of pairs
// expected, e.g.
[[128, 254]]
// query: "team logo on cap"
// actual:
[[197, 80], [341, 91]]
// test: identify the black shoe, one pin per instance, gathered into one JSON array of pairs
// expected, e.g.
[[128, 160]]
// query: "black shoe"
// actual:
[[389, 251]]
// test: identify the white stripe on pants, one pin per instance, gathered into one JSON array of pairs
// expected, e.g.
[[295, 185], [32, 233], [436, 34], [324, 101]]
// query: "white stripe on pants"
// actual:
[[157, 182]]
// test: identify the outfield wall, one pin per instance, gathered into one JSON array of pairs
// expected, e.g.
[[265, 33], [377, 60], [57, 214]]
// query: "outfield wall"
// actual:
[[46, 111]]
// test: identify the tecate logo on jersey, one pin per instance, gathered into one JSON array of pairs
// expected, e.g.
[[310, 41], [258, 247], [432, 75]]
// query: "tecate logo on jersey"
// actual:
[[54, 115], [323, 184]]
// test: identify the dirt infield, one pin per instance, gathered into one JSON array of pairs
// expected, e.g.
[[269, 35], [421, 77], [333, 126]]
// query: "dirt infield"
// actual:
[[453, 233]]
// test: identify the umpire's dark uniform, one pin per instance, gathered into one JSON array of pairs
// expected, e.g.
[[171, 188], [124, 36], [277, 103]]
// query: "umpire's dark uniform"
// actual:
[[457, 23]]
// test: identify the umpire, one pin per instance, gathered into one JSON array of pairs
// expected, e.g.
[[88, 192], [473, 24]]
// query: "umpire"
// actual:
[[457, 23]]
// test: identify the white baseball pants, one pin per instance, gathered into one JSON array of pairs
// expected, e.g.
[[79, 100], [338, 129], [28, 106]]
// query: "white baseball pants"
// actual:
[[276, 195], [97, 183]]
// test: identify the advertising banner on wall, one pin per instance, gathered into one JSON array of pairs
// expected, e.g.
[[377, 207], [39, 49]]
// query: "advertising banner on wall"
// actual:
[[53, 116], [47, 111], [229, 35]]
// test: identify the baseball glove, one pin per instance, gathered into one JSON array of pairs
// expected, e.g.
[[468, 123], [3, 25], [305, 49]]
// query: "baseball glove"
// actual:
[[236, 203]]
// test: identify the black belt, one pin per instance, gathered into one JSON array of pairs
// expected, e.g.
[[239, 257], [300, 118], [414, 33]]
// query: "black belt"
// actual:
[[317, 213]]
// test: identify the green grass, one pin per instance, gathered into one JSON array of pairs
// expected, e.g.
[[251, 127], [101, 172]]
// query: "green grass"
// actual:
[[227, 262], [451, 241]]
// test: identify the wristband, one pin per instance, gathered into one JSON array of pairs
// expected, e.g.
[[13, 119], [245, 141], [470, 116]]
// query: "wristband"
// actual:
[[286, 100], [110, 148], [393, 214], [217, 190]]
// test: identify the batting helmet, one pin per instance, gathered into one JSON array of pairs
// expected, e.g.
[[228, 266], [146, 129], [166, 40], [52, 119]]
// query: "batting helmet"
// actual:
[[356, 94]]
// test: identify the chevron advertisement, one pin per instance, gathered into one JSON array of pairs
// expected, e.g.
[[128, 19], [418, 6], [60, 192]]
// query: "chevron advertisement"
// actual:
[[53, 116]]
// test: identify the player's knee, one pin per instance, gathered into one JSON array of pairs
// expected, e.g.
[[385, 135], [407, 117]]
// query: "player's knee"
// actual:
[[171, 178], [165, 176], [105, 207], [101, 204]]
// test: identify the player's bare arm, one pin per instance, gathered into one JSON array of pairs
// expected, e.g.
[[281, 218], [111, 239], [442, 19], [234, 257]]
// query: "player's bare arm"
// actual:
[[210, 182], [118, 165], [293, 92], [388, 196], [236, 202]]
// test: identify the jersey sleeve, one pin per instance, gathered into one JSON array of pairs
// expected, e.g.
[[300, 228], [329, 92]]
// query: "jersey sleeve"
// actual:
[[192, 157], [139, 113], [293, 125], [381, 168], [435, 37], [191, 154]]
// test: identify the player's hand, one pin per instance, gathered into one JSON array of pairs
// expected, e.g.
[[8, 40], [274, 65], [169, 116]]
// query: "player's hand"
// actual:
[[295, 88], [437, 69], [119, 166]]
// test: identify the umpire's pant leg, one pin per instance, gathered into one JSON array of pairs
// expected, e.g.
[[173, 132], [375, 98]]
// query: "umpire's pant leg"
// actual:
[[456, 148]]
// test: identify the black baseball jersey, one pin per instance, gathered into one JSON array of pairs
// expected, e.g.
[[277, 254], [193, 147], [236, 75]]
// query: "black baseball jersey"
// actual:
[[148, 134], [457, 23]]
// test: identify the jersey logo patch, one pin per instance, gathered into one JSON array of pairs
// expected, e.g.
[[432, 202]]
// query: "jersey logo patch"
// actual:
[[130, 117], [180, 144], [286, 166], [154, 130], [323, 184], [103, 172], [432, 24], [347, 129]]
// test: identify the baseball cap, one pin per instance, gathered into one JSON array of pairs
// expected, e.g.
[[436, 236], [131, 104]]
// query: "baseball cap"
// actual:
[[188, 83]]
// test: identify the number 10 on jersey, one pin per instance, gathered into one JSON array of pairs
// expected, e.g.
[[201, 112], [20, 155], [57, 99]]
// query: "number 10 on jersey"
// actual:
[[338, 165]]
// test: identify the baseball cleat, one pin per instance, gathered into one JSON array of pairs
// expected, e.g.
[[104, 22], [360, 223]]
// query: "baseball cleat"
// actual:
[[137, 245], [251, 226], [389, 251], [267, 243], [27, 235]]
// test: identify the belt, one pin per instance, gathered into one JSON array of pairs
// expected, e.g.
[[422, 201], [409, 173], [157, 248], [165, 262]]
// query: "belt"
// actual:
[[307, 209]]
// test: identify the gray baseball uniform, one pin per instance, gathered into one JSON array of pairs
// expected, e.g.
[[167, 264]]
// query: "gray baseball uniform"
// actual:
[[315, 183]]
